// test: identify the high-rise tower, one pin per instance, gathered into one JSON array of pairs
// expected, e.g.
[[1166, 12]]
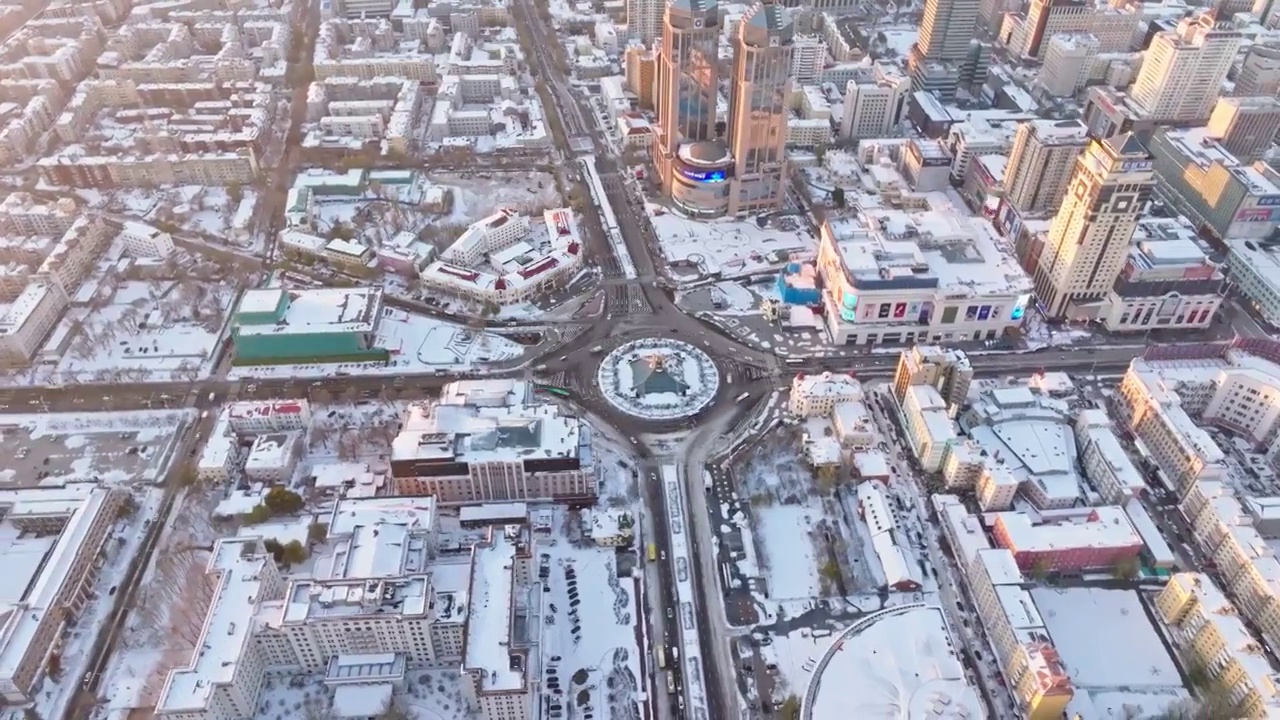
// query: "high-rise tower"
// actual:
[[1041, 162], [942, 48], [1182, 73], [687, 77], [692, 164], [644, 20], [758, 109], [1089, 238]]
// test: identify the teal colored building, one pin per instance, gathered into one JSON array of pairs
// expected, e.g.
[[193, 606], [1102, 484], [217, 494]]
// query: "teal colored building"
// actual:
[[280, 326]]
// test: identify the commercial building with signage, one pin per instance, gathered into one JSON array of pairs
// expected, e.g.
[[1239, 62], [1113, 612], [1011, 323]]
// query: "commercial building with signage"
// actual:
[[1167, 282], [932, 276], [1203, 181]]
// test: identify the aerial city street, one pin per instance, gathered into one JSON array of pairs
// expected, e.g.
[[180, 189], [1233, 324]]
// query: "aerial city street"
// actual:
[[639, 360]]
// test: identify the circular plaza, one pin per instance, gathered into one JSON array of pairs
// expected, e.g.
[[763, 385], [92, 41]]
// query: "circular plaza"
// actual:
[[658, 379]]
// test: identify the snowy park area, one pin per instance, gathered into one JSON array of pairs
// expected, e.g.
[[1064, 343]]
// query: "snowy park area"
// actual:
[[731, 247], [796, 530], [143, 332], [658, 379], [437, 206]]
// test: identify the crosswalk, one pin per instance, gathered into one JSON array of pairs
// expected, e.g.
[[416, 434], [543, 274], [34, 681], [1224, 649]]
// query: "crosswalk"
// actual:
[[628, 299]]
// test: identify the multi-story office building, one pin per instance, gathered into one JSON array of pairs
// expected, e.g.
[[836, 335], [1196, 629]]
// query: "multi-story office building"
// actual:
[[1245, 126], [1104, 459], [644, 20], [1089, 237], [1182, 74], [27, 321], [251, 417], [759, 92], [1041, 163], [928, 425], [943, 47], [928, 276], [1255, 272], [1259, 73], [874, 105], [1166, 282], [1220, 194], [945, 369], [693, 164], [1068, 61], [55, 539], [1043, 684], [1027, 36], [461, 452], [1207, 627], [808, 58]]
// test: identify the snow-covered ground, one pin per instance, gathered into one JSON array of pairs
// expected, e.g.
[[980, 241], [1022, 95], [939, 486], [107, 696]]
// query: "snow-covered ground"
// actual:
[[631, 378], [208, 212], [590, 647], [148, 332], [416, 343], [58, 448], [1133, 656], [478, 194], [730, 247], [793, 568]]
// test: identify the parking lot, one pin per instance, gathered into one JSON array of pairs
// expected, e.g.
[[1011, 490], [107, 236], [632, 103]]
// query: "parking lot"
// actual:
[[51, 454]]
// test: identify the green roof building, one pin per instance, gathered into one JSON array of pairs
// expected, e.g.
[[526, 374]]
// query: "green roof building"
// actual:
[[281, 326]]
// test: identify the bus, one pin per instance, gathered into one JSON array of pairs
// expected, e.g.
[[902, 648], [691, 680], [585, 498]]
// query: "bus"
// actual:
[[661, 652], [552, 389], [653, 552]]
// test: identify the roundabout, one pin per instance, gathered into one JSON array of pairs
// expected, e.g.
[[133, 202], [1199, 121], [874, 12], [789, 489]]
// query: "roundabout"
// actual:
[[658, 379]]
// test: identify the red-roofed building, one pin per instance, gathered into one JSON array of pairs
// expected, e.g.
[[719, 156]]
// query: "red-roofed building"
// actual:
[[253, 417]]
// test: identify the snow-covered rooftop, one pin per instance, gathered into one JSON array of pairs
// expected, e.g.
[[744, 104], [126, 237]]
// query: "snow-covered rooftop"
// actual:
[[227, 628], [313, 310], [1104, 527], [489, 617], [487, 434], [897, 663], [941, 249]]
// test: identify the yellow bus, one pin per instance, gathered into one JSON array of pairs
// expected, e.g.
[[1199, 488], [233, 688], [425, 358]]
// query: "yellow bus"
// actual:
[[661, 652], [653, 552]]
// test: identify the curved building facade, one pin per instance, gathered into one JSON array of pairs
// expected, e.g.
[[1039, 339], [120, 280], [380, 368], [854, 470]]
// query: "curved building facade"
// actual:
[[701, 178]]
